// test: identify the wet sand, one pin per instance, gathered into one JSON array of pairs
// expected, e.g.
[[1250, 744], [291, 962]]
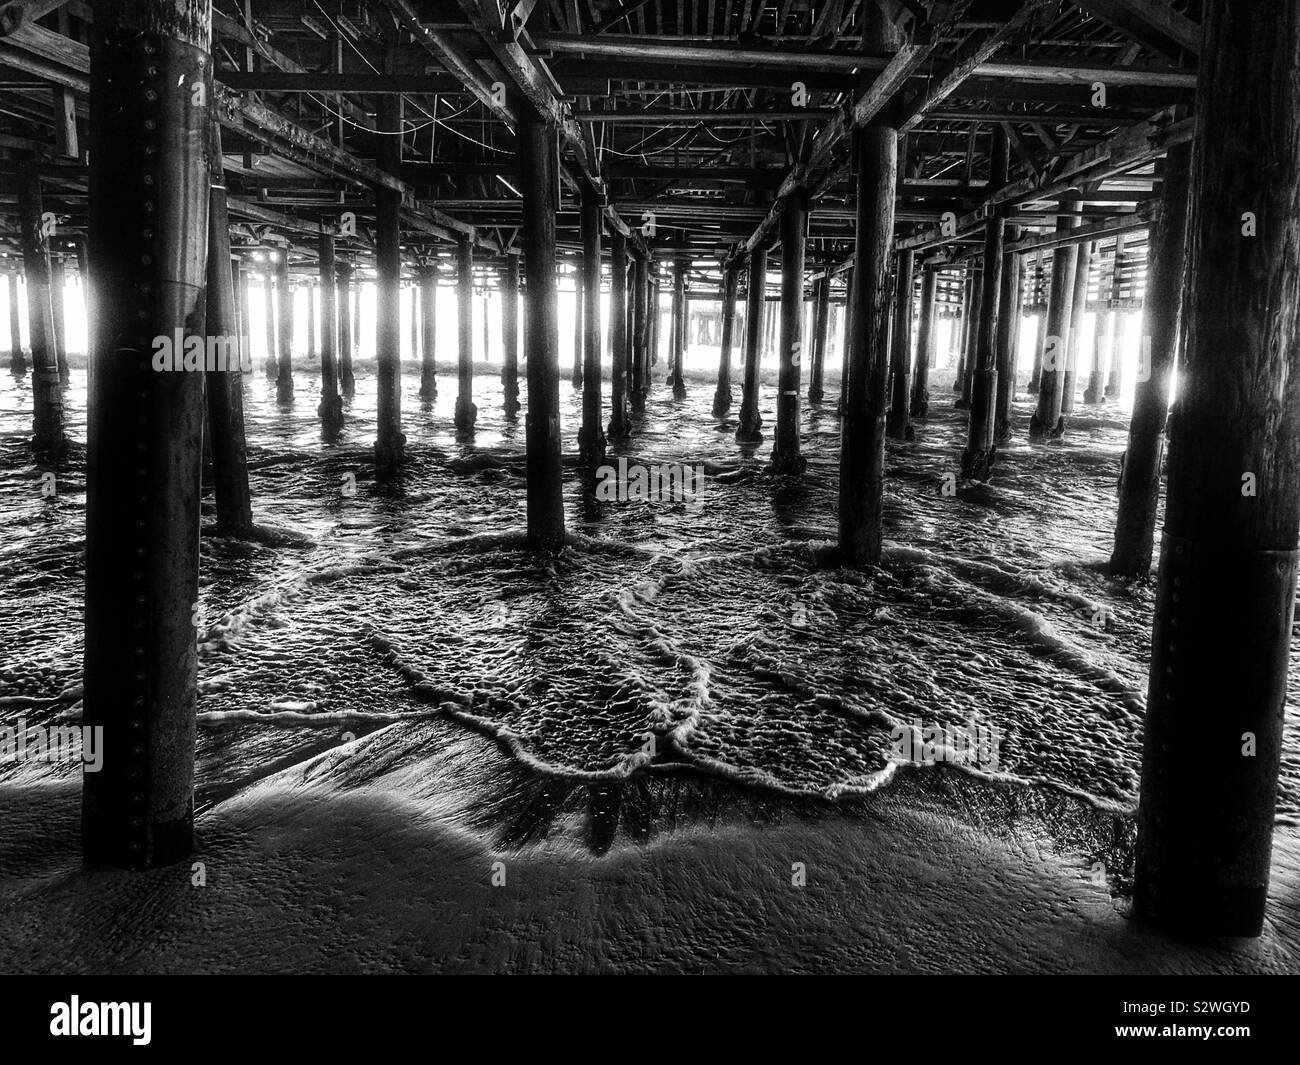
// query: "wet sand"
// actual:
[[378, 857]]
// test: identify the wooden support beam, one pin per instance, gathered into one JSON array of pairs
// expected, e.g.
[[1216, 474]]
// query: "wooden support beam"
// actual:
[[428, 282], [677, 341], [1152, 23], [821, 322], [722, 394], [747, 431], [1008, 334], [145, 426], [47, 403], [539, 169], [466, 413], [591, 434], [224, 384], [510, 336], [390, 442], [1046, 423], [786, 454], [898, 425], [1227, 579], [925, 341], [347, 377], [862, 433], [331, 401], [619, 341]]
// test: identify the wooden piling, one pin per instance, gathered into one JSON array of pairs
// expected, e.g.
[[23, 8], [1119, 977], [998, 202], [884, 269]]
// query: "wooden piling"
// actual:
[[347, 378], [786, 457], [981, 451], [747, 431], [1046, 423], [640, 333], [510, 337], [429, 327], [925, 345], [269, 319], [1227, 582], [1083, 265], [619, 347], [591, 433], [821, 325], [390, 442], [224, 385], [722, 394], [898, 425], [1139, 485], [284, 329], [17, 357], [862, 432], [576, 377], [331, 402], [466, 413], [59, 316], [148, 254], [677, 338], [1009, 290], [538, 166], [48, 438]]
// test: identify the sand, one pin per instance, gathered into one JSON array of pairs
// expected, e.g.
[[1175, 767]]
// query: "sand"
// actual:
[[381, 856]]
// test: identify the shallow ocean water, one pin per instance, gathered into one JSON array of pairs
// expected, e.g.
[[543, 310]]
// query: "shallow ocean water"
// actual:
[[711, 637]]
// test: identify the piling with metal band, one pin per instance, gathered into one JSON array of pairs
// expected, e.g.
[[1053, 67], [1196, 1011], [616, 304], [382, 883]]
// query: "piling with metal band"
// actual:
[[428, 318], [510, 336], [618, 344], [538, 165], [466, 413], [284, 329], [1139, 484], [1226, 591], [925, 345], [343, 277], [224, 383], [48, 438], [722, 395], [151, 89], [331, 403], [898, 425], [1008, 338], [747, 431], [390, 441], [1083, 264], [862, 430], [1046, 423], [821, 325]]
